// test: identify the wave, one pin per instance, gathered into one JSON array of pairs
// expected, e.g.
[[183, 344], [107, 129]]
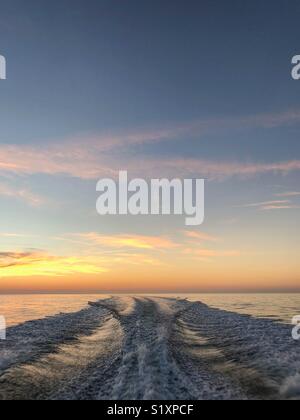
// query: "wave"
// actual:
[[145, 348]]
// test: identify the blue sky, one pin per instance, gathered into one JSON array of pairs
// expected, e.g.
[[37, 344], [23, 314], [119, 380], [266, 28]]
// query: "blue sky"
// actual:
[[75, 66], [198, 88]]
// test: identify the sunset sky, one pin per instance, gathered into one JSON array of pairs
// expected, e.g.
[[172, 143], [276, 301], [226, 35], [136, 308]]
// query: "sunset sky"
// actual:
[[161, 89]]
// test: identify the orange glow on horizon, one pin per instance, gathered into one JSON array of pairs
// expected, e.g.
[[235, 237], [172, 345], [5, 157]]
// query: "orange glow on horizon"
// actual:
[[191, 261]]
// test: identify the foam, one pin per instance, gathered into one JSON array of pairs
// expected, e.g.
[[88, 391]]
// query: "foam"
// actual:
[[147, 348]]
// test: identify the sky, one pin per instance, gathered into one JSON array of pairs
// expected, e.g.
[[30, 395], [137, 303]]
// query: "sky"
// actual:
[[197, 89]]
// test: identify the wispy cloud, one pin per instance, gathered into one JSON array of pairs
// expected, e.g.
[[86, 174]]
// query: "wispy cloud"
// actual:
[[127, 241], [267, 203], [91, 157], [221, 170], [10, 259], [14, 235], [96, 253], [272, 205], [205, 247], [86, 163], [288, 194], [187, 244], [281, 207], [39, 263], [200, 236], [23, 194], [216, 253], [212, 253]]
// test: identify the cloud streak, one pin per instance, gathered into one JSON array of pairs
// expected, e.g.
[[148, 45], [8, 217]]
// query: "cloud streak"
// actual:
[[87, 164], [200, 236], [97, 254], [92, 157], [23, 194], [288, 194], [272, 205], [209, 255], [127, 241], [209, 169], [187, 244], [39, 263]]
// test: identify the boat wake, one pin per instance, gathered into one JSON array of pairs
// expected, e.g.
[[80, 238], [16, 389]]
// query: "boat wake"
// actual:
[[140, 348]]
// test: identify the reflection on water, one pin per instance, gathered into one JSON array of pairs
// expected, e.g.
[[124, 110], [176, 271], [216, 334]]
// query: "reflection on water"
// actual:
[[21, 308], [280, 307]]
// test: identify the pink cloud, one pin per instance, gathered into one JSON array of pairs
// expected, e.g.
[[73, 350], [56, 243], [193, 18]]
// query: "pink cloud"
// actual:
[[127, 241], [289, 194], [280, 207], [273, 205], [92, 157], [200, 236], [268, 203], [23, 194], [85, 163]]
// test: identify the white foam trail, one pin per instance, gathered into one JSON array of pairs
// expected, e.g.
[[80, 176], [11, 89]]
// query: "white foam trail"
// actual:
[[149, 348]]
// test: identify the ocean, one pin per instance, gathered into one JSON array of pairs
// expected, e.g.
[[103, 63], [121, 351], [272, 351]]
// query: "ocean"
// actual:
[[158, 347], [21, 308]]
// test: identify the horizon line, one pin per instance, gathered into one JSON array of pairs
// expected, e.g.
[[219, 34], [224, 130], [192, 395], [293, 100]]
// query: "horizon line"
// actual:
[[129, 292]]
